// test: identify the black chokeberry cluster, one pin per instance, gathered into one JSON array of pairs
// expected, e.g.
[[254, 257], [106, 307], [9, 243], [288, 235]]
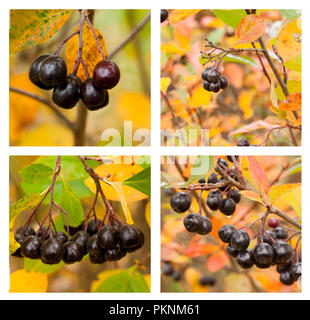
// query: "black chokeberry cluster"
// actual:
[[101, 242], [224, 198], [213, 79], [193, 222], [164, 13], [271, 250], [50, 72]]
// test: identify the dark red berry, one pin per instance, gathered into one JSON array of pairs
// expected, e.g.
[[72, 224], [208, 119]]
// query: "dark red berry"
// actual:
[[73, 252], [106, 74], [180, 202], [273, 222], [67, 94], [52, 251], [34, 72], [53, 71]]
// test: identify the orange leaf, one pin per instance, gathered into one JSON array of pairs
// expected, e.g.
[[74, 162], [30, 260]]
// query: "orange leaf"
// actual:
[[250, 29], [90, 54], [200, 249], [217, 261], [178, 15], [259, 176], [293, 102]]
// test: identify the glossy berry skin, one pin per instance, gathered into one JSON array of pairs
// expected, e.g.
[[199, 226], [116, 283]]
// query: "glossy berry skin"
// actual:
[[73, 252], [273, 222], [285, 266], [67, 94], [43, 233], [240, 240], [206, 226], [61, 236], [93, 226], [269, 237], [180, 202], [213, 76], [26, 231], [295, 270], [263, 266], [92, 96], [232, 251], [226, 232], [31, 247], [139, 243], [128, 236], [228, 207], [53, 71], [108, 237], [52, 251], [222, 163], [263, 254], [35, 71], [235, 195], [213, 178], [245, 259], [215, 87], [214, 200], [204, 74], [81, 238], [223, 82], [19, 237], [106, 74], [164, 13], [286, 278], [193, 222], [168, 269], [207, 281], [243, 143], [281, 233], [282, 252], [115, 254], [96, 253], [206, 85]]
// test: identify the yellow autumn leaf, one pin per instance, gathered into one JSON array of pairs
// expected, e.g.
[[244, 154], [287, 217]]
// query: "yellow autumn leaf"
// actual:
[[279, 191], [172, 48], [47, 135], [164, 84], [293, 199], [252, 196], [180, 14], [135, 107], [182, 36], [103, 276], [148, 213], [13, 244], [245, 102], [288, 44], [90, 53], [200, 97], [147, 278], [22, 281], [23, 110]]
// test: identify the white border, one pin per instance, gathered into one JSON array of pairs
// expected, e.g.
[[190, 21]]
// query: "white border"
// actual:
[[155, 151]]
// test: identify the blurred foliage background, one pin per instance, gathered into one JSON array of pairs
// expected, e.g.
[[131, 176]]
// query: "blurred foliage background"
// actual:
[[34, 124]]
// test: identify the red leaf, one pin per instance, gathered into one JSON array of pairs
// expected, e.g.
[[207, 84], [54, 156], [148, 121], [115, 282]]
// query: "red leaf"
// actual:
[[200, 249], [250, 29], [259, 176], [217, 261]]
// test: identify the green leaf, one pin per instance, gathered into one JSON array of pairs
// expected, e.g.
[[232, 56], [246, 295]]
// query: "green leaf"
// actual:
[[39, 266], [141, 181], [230, 17], [31, 27], [71, 203], [144, 161], [130, 280], [290, 14], [237, 59], [36, 173], [216, 35], [295, 63], [28, 201]]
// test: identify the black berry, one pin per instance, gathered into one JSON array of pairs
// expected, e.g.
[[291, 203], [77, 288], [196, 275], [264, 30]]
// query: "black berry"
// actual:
[[215, 87], [164, 13], [206, 226], [282, 252], [106, 74], [235, 195], [108, 237], [295, 270], [240, 240], [204, 74], [207, 281], [228, 207], [177, 275], [53, 71], [263, 254], [245, 259], [93, 226], [168, 268], [73, 252], [34, 72], [213, 76], [286, 278], [213, 178], [128, 236], [243, 143], [93, 97], [115, 253], [232, 251], [223, 82], [193, 222], [281, 233], [81, 238], [180, 202], [226, 232], [52, 251], [31, 247], [269, 237], [214, 200], [96, 253], [61, 236]]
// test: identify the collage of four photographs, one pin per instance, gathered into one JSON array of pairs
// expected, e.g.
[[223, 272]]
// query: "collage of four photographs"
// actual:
[[228, 78]]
